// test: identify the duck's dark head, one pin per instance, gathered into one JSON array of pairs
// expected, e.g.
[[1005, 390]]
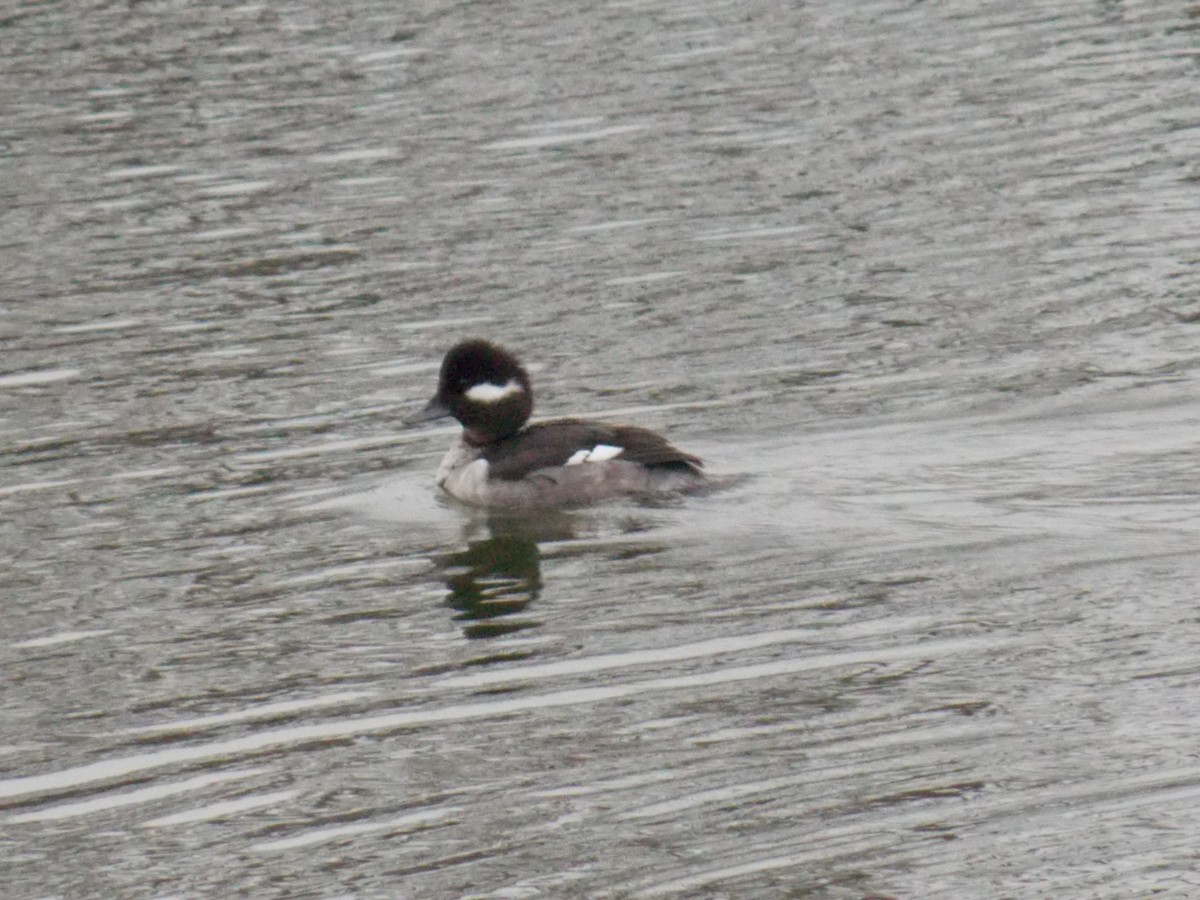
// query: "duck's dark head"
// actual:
[[485, 388]]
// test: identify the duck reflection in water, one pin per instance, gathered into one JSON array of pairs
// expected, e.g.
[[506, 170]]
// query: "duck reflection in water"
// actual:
[[494, 579]]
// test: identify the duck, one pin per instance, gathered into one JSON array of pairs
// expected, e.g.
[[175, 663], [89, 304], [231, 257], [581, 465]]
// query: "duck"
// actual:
[[501, 461]]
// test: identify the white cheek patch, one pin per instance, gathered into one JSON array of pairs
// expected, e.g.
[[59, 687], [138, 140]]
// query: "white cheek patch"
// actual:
[[492, 393], [599, 453]]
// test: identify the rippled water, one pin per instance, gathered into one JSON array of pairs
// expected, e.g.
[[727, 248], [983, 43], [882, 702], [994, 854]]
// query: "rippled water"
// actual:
[[920, 279]]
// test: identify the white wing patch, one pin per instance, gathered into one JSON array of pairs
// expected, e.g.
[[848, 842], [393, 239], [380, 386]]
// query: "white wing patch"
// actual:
[[491, 393], [599, 453]]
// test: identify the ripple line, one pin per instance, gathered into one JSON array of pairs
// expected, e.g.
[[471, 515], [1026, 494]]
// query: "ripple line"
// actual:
[[410, 822], [221, 810], [130, 798], [67, 779], [715, 647]]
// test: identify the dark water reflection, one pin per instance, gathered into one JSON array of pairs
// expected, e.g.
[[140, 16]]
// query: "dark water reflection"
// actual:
[[923, 273], [497, 577], [494, 578]]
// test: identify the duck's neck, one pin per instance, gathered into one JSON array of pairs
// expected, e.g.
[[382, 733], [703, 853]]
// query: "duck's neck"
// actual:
[[476, 437]]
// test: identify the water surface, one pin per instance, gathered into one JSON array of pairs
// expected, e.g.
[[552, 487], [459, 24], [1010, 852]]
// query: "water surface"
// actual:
[[918, 278]]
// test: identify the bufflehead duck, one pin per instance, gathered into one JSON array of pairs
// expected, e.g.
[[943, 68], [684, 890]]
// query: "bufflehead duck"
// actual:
[[500, 462]]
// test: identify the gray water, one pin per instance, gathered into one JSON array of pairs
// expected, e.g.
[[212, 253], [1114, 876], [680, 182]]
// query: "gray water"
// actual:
[[919, 279]]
